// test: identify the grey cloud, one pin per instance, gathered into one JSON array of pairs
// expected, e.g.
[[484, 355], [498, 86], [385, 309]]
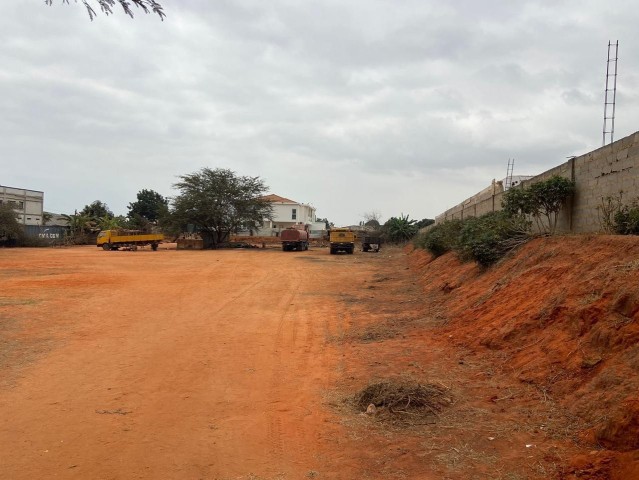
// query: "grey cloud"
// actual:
[[307, 95]]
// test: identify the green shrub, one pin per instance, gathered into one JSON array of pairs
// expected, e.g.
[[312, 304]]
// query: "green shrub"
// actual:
[[626, 219], [488, 238], [441, 238]]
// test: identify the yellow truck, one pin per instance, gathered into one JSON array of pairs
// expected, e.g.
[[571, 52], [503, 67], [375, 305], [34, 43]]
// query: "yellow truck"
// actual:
[[131, 239], [342, 239]]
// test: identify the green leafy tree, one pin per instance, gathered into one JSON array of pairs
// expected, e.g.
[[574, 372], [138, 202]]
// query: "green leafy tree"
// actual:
[[106, 6], [549, 196], [96, 210], [78, 223], [11, 231], [218, 203], [149, 205], [518, 201], [541, 201], [400, 229]]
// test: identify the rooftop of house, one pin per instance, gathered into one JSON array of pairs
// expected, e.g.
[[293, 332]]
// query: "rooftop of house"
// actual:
[[277, 199]]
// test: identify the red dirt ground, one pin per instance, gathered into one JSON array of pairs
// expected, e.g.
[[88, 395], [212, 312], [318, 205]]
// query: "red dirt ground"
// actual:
[[242, 364]]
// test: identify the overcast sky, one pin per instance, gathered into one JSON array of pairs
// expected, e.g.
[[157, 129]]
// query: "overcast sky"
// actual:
[[350, 105]]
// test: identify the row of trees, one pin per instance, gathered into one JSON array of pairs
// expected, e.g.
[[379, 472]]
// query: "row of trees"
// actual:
[[142, 215], [216, 202], [395, 229]]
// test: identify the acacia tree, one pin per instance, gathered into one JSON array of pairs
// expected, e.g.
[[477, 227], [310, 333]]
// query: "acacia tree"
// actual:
[[106, 6], [218, 203]]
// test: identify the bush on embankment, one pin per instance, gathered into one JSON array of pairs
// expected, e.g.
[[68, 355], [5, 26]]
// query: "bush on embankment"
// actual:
[[487, 238], [484, 239]]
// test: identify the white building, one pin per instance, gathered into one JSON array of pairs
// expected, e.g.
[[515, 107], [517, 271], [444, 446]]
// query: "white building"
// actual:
[[515, 180], [28, 204], [286, 213]]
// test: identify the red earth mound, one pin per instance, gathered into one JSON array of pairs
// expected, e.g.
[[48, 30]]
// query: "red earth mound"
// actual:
[[565, 312]]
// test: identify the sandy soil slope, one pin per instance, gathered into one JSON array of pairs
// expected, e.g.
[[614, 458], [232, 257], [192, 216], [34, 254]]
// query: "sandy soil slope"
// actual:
[[243, 364]]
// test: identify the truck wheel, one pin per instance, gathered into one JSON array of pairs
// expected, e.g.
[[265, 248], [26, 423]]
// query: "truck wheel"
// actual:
[[154, 246], [351, 250], [332, 251], [106, 246]]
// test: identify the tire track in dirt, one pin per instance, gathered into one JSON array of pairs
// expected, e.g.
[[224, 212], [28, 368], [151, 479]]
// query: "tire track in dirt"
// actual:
[[192, 367], [284, 339]]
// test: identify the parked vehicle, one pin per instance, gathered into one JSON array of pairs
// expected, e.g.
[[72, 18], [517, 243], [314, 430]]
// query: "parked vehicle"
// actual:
[[371, 243], [342, 239], [294, 239], [131, 239]]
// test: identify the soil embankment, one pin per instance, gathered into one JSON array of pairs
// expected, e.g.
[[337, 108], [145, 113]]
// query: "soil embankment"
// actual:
[[563, 315]]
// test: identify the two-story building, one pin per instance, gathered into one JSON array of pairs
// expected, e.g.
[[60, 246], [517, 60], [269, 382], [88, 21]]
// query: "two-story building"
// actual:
[[28, 204], [286, 213]]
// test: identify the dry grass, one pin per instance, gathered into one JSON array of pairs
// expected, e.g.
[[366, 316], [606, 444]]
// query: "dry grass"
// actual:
[[403, 402]]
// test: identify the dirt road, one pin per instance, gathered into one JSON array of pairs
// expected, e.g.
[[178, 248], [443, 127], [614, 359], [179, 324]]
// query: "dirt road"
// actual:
[[238, 365]]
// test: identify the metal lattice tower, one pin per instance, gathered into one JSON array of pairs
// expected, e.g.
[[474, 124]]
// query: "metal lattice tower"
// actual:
[[509, 173], [611, 92]]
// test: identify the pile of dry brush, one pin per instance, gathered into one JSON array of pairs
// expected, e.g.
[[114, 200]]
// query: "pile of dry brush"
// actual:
[[403, 402]]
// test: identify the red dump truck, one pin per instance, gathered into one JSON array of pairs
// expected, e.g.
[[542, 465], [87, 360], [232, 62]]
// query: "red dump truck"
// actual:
[[294, 239]]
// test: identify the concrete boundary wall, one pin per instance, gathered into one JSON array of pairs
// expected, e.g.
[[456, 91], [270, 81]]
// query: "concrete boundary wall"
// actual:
[[598, 174]]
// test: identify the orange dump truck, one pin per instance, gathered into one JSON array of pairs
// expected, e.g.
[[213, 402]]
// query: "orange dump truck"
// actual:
[[294, 239]]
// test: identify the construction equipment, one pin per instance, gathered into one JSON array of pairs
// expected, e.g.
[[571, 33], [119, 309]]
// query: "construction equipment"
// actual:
[[342, 239], [371, 243], [294, 239], [128, 239]]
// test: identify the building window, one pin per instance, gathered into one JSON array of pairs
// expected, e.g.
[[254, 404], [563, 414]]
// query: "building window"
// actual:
[[294, 215]]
